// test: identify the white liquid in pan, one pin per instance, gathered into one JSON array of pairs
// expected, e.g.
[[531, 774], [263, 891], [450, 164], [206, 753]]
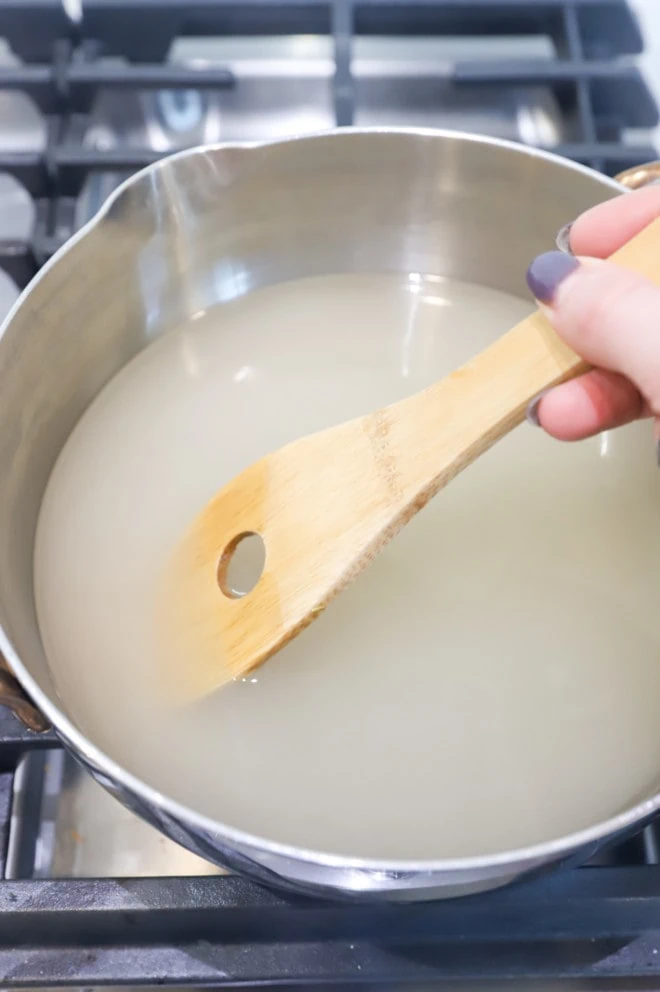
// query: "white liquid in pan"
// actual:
[[493, 680]]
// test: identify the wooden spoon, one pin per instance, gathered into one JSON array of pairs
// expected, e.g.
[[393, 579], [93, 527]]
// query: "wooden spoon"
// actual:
[[327, 504]]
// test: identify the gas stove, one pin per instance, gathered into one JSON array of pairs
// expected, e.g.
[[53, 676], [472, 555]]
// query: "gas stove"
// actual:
[[91, 90]]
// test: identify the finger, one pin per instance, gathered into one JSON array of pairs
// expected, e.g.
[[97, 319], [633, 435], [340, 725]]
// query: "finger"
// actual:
[[595, 402], [600, 231], [608, 315]]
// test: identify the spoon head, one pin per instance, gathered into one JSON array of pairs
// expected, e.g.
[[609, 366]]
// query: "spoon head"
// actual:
[[315, 505]]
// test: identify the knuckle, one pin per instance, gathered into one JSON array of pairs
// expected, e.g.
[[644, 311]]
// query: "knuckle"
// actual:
[[601, 307], [612, 318]]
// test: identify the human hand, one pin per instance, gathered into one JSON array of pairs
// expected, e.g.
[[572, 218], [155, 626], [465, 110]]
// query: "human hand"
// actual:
[[608, 315]]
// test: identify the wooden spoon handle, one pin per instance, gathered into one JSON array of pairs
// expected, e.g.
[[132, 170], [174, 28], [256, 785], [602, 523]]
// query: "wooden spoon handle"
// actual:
[[642, 253], [439, 432], [435, 434]]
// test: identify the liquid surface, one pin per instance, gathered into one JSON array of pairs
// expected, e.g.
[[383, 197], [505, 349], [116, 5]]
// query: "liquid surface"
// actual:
[[491, 681]]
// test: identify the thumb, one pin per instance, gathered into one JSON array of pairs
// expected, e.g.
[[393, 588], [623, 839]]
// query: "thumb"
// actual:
[[607, 314]]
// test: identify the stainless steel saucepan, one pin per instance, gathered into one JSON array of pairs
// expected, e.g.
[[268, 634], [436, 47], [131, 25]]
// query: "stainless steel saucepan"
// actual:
[[203, 227]]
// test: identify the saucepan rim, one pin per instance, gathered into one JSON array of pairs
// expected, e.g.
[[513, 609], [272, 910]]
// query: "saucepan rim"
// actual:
[[97, 759]]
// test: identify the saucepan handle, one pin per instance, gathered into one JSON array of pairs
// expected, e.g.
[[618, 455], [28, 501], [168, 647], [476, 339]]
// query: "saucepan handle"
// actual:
[[15, 699], [640, 176], [635, 178]]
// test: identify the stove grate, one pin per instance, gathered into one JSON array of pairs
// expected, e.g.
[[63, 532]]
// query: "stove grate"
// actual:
[[63, 69]]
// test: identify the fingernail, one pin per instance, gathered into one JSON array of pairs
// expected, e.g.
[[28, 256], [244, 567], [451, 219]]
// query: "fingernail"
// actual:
[[532, 415], [563, 239], [547, 272]]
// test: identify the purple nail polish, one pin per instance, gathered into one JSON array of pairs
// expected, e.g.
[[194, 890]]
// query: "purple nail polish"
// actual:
[[547, 271]]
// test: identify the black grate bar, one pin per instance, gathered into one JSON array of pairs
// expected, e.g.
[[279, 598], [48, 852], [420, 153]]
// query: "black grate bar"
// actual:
[[585, 110], [37, 77], [150, 76], [28, 793], [73, 85], [343, 87], [227, 931], [623, 89], [31, 26], [537, 71], [584, 903], [15, 738], [611, 24], [6, 786], [173, 76], [624, 966], [52, 89]]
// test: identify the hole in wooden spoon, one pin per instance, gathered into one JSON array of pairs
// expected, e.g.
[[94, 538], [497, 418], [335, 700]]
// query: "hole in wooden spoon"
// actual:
[[242, 564]]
